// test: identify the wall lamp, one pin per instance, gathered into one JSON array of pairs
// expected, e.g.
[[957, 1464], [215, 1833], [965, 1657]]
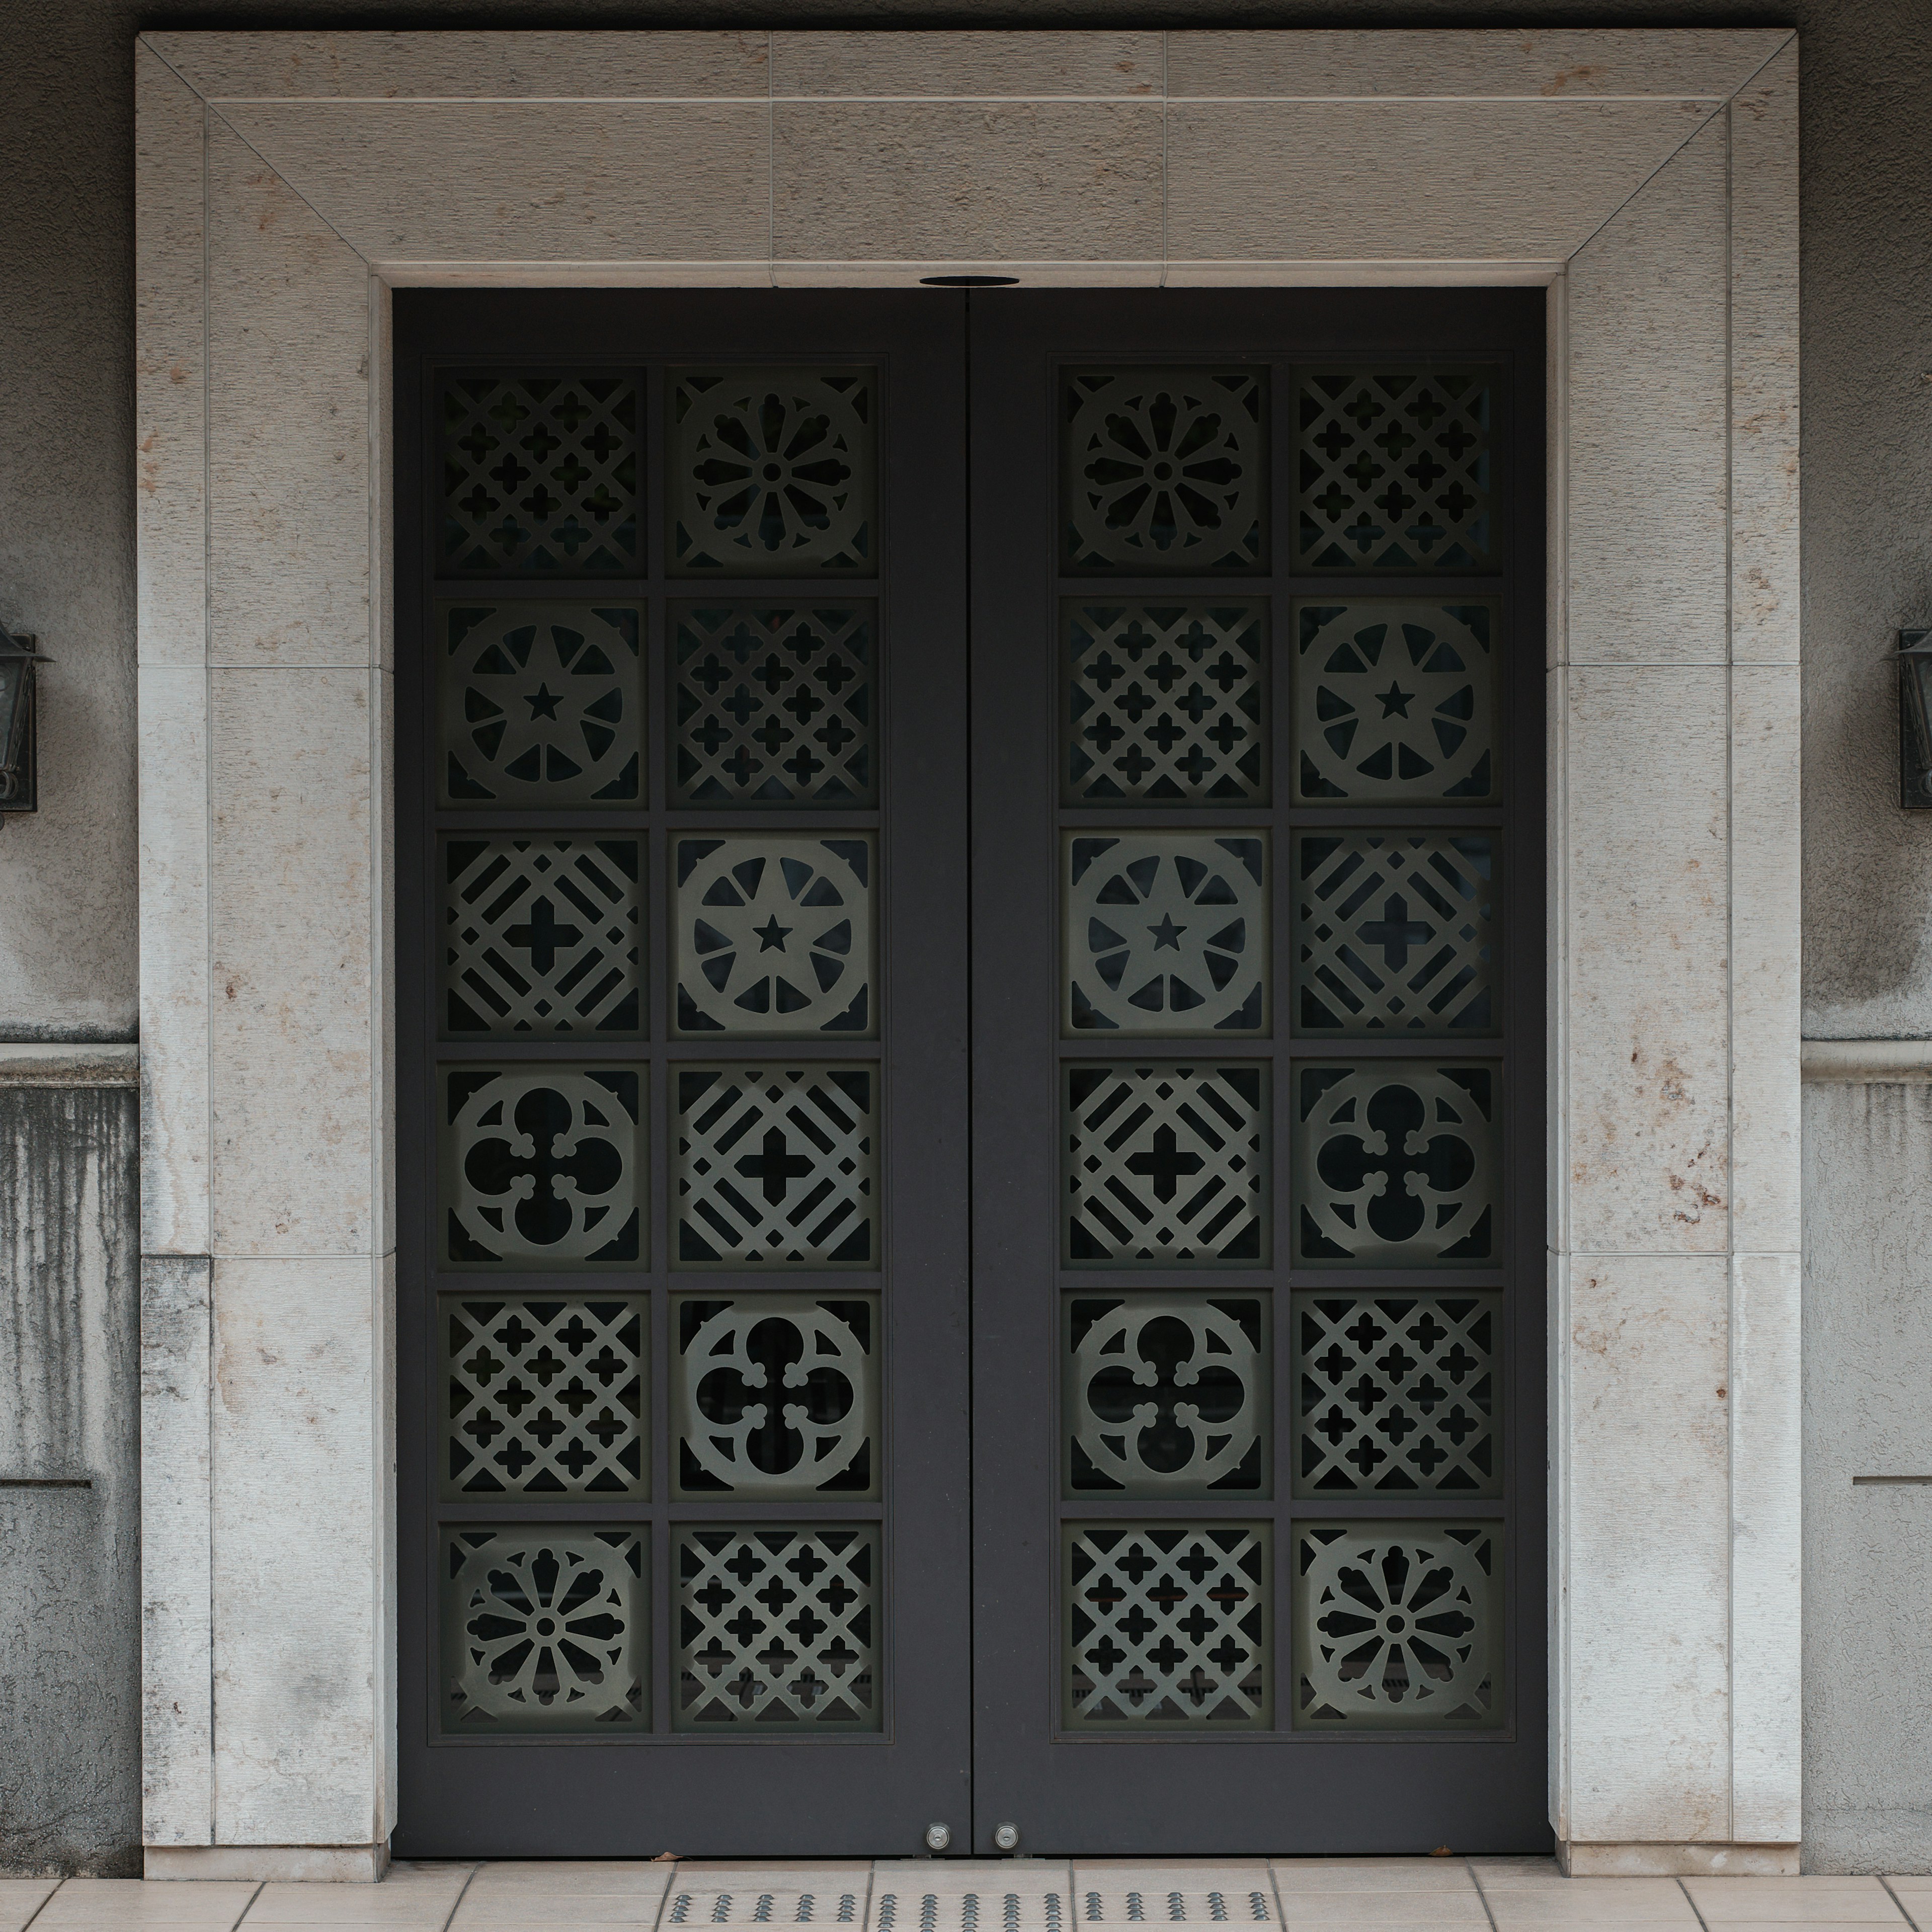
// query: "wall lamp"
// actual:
[[19, 661]]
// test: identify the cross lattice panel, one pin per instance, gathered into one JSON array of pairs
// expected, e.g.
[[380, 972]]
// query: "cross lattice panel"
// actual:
[[1393, 469], [540, 476], [776, 1166], [1397, 1164], [771, 472], [773, 705], [540, 705], [1165, 469], [1167, 1625], [542, 936], [776, 1395], [544, 1396], [1397, 1393], [1166, 703], [542, 1167], [1398, 1626], [777, 1629], [1396, 932], [1167, 1395], [545, 1629]]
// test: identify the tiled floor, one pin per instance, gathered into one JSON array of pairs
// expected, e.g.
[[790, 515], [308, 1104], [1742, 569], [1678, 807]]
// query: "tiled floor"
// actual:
[[977, 1895]]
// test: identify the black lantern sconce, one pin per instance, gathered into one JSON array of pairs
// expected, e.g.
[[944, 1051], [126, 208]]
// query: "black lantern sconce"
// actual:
[[19, 660], [1915, 720]]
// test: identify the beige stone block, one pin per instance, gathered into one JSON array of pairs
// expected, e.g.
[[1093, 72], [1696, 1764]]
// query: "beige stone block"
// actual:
[[294, 893], [1021, 182], [574, 182], [834, 65], [1407, 181], [1658, 1858]]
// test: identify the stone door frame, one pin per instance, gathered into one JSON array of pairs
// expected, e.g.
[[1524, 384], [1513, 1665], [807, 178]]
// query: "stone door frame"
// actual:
[[287, 182]]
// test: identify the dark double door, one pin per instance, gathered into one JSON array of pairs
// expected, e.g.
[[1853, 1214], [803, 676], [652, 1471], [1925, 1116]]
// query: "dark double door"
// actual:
[[969, 1031]]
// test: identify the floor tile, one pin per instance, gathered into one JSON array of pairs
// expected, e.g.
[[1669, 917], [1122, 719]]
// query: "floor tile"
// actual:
[[1440, 1905], [747, 1892], [20, 1898], [1516, 1874], [1590, 1901], [130, 1903], [1792, 1901], [1904, 1882], [1303, 1876], [1202, 1894]]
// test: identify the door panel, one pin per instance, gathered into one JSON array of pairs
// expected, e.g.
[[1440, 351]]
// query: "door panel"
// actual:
[[1257, 1070], [681, 838]]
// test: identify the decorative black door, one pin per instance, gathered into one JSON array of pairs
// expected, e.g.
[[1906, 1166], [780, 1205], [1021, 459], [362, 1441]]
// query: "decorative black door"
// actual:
[[1258, 1040]]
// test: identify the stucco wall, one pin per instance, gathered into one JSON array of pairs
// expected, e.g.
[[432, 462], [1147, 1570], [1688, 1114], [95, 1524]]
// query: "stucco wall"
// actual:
[[67, 479]]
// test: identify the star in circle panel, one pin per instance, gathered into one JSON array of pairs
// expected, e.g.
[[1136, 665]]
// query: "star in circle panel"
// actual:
[[1167, 932], [545, 1629], [1398, 1626], [539, 705], [776, 1395], [1395, 703], [542, 1167], [1165, 469], [1397, 1164], [776, 1167], [1394, 469], [772, 472], [1166, 1395], [775, 936], [773, 705], [1166, 1166], [1166, 703]]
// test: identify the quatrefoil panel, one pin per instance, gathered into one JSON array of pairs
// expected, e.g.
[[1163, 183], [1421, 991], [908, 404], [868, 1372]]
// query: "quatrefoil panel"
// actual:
[[545, 1629], [540, 705], [776, 1395], [1396, 932], [543, 1167], [1167, 1626], [1398, 1626], [541, 936], [544, 1396], [1167, 932], [1166, 1396], [1167, 1166], [1394, 703], [1397, 1393], [1165, 469], [778, 1629], [772, 472], [1393, 469], [777, 1167], [1166, 703], [1396, 1164], [540, 476], [773, 705], [775, 936]]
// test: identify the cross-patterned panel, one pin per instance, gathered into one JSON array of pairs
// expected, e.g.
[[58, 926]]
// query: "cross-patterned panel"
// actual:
[[541, 936], [543, 1167], [774, 935], [1166, 703], [1165, 470], [773, 705], [544, 1396], [1396, 1392], [544, 1629], [1167, 932], [1166, 1166], [777, 1167], [540, 705], [1167, 1625], [776, 1395], [773, 473], [540, 476], [1394, 703], [1167, 1396], [1396, 932], [1396, 1164], [1393, 469], [778, 1629], [1398, 1626]]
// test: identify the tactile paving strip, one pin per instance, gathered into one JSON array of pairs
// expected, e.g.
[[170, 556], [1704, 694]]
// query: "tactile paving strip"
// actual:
[[894, 1910], [746, 1905], [1154, 1906]]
